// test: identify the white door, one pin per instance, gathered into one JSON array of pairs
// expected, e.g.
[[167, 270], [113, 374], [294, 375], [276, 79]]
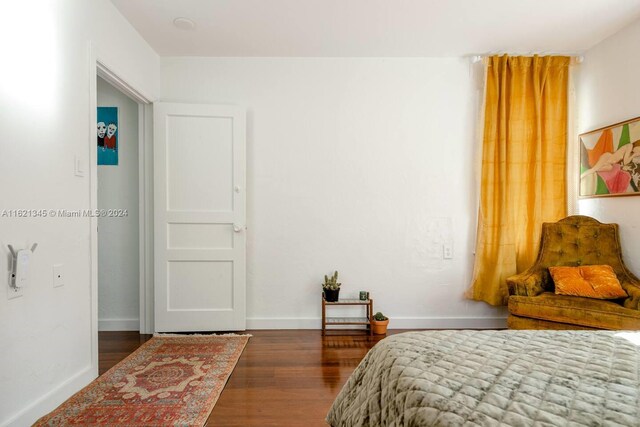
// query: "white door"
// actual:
[[200, 235]]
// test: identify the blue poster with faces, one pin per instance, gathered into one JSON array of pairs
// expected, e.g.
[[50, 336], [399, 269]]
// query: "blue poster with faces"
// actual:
[[108, 135]]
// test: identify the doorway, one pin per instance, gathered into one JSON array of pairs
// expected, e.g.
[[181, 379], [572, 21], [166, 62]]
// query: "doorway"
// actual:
[[102, 70], [118, 206]]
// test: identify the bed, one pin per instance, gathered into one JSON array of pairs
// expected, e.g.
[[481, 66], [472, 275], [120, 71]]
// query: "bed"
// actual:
[[491, 378]]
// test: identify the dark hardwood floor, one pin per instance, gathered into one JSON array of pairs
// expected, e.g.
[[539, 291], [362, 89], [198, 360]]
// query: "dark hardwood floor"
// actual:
[[115, 346], [283, 378]]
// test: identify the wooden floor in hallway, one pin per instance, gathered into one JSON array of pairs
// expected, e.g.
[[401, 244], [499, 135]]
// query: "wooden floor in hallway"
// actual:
[[283, 378]]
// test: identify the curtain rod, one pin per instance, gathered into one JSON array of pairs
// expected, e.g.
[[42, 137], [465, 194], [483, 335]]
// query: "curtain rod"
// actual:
[[577, 59]]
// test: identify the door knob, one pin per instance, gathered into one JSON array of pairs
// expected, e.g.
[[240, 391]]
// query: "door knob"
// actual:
[[237, 228]]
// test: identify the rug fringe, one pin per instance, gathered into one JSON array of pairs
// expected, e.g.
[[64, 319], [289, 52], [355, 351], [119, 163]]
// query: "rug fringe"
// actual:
[[230, 334]]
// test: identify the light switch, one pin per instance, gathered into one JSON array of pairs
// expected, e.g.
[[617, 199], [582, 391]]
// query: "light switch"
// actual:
[[78, 166], [58, 276]]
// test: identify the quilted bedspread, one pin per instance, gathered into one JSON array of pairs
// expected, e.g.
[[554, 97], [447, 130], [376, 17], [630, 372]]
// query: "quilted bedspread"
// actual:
[[491, 378]]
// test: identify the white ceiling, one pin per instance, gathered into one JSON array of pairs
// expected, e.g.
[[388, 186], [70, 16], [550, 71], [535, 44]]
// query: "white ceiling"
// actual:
[[376, 27]]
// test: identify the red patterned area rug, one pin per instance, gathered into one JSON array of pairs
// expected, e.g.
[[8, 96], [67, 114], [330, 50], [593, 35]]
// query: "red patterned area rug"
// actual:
[[171, 380]]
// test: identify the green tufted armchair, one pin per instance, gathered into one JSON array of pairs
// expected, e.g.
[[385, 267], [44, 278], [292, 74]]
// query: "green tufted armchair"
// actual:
[[573, 241]]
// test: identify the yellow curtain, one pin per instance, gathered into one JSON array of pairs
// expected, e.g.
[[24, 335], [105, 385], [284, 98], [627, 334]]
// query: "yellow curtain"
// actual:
[[523, 167]]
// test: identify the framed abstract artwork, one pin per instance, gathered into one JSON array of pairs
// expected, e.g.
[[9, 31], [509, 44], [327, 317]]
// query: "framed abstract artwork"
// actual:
[[108, 136], [610, 160]]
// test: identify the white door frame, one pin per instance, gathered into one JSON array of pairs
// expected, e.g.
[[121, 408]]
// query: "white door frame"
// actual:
[[99, 67]]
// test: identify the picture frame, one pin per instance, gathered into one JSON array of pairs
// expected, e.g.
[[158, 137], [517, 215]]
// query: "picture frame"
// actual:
[[610, 161]]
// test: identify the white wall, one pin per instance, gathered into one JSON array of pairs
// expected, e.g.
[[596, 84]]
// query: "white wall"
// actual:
[[609, 92], [358, 164], [118, 236], [46, 347]]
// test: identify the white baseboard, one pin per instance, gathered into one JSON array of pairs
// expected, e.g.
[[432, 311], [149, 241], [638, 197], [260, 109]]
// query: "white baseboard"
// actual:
[[316, 323], [395, 323], [118, 324], [47, 403], [284, 323], [448, 323]]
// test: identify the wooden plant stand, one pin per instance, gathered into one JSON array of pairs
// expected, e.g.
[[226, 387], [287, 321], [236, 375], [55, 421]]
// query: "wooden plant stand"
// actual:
[[366, 321]]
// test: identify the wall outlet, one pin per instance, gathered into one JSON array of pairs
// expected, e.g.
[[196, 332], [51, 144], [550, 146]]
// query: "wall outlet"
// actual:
[[13, 292], [58, 276], [447, 251]]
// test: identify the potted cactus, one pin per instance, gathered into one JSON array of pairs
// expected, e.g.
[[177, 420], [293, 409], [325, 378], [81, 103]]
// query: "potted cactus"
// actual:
[[380, 323], [331, 288]]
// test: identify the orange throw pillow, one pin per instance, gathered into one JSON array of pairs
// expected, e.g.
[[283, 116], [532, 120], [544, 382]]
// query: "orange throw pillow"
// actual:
[[591, 281]]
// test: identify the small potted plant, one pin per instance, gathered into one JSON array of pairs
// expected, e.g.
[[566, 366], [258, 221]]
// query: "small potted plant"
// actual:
[[331, 288], [380, 322]]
